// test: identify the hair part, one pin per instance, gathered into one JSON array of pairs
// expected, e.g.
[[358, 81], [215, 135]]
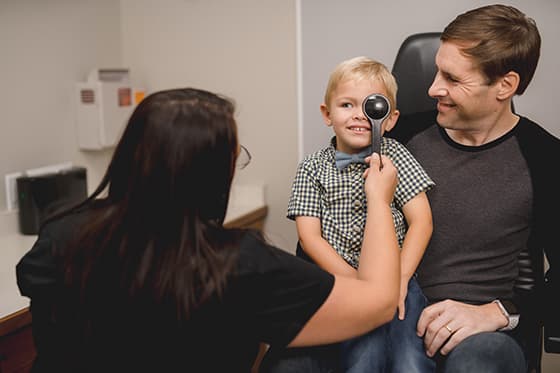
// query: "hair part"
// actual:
[[358, 69], [499, 39]]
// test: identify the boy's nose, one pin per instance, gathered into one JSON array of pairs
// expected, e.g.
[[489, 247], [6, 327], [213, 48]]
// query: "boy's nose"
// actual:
[[359, 114]]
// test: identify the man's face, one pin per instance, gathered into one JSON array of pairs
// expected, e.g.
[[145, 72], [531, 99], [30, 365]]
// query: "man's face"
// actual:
[[344, 113], [465, 99]]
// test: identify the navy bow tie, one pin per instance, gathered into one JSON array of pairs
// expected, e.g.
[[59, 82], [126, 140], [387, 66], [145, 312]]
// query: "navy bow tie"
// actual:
[[343, 159]]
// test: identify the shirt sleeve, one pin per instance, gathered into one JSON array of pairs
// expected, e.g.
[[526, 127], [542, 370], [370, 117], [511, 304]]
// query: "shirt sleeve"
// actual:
[[306, 192], [413, 179], [36, 271], [38, 277], [285, 290]]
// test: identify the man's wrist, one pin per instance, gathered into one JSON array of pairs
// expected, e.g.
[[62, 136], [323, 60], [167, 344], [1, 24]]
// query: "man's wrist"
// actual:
[[510, 312]]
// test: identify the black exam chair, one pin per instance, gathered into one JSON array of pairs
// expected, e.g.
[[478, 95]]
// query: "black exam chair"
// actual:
[[415, 69]]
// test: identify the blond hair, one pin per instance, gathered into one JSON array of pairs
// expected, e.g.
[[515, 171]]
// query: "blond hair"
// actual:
[[362, 68]]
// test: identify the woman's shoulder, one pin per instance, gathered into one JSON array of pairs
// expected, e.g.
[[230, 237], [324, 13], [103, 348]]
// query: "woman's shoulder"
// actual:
[[65, 226], [256, 253], [257, 256]]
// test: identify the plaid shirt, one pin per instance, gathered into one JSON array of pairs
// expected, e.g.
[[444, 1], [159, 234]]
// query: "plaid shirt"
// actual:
[[337, 197]]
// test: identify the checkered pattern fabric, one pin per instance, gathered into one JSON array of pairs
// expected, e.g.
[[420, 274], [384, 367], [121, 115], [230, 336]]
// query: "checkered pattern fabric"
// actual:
[[337, 197]]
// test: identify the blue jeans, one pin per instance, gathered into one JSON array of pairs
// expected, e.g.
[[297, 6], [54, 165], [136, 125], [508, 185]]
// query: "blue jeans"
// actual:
[[393, 347], [492, 352], [489, 352]]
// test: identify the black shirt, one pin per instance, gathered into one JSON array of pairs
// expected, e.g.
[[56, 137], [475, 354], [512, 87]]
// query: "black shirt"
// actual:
[[269, 298]]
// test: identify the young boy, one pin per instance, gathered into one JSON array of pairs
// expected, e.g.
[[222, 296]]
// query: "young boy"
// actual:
[[328, 205]]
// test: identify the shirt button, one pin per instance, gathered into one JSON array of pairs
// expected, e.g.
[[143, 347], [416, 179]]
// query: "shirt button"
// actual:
[[357, 176], [357, 204], [356, 228]]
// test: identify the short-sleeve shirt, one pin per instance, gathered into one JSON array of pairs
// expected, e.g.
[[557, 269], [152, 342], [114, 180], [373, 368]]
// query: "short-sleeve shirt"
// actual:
[[269, 297], [338, 199]]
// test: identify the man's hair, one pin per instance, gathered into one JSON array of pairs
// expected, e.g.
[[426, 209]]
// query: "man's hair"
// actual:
[[499, 39], [362, 68]]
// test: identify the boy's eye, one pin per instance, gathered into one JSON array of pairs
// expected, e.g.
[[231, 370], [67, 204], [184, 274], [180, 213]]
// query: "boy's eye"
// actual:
[[346, 105]]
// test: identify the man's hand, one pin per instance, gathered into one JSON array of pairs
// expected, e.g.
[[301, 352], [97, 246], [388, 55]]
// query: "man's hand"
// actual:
[[447, 323]]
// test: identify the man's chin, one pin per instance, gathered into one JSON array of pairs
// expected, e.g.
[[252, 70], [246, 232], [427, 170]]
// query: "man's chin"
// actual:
[[442, 119]]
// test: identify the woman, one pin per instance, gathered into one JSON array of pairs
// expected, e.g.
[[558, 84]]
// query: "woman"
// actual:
[[145, 277]]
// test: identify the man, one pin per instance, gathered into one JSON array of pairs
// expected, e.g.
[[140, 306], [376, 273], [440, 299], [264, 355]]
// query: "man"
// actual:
[[494, 205]]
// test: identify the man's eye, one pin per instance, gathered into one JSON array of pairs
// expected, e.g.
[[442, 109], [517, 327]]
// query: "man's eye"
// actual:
[[451, 79]]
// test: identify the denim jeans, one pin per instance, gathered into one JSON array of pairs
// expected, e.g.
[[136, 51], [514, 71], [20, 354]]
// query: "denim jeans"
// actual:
[[489, 352], [393, 347]]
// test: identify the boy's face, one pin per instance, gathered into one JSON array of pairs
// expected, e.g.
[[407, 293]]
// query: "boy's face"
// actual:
[[344, 113]]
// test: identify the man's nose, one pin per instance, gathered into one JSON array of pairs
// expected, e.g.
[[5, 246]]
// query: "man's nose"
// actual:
[[437, 89]]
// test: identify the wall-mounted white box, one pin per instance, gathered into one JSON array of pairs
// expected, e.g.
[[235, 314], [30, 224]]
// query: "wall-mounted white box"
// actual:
[[104, 103]]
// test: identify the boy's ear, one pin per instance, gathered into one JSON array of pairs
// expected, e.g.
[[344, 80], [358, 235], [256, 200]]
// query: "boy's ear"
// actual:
[[508, 85], [391, 120], [326, 114]]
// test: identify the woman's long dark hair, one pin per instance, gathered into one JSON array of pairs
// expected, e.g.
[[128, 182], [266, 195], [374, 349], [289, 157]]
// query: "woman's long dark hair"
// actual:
[[158, 233]]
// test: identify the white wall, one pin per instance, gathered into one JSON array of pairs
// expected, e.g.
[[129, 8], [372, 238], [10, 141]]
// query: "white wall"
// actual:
[[333, 31], [45, 47], [244, 49]]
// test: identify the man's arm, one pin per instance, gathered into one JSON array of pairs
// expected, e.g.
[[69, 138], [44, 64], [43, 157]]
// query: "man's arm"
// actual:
[[552, 316]]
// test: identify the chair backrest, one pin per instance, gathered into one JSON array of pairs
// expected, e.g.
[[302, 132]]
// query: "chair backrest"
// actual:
[[415, 69]]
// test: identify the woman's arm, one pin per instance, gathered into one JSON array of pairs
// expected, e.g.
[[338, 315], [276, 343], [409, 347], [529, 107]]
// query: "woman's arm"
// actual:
[[358, 305]]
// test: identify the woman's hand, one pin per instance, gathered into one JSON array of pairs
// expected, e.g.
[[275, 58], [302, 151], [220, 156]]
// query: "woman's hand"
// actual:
[[381, 182]]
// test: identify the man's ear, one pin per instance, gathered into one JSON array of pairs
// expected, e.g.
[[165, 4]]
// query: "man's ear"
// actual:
[[391, 121], [326, 114], [508, 85]]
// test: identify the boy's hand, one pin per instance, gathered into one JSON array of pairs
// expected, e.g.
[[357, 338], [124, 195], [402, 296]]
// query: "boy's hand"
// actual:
[[402, 297]]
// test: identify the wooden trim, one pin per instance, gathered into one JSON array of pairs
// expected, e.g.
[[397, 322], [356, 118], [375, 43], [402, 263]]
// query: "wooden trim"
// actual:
[[253, 219], [15, 321]]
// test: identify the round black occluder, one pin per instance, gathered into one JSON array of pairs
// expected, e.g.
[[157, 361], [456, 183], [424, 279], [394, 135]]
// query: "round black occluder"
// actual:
[[376, 107]]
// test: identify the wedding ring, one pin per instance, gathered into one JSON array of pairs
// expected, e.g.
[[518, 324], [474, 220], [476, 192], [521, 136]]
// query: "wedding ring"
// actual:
[[449, 329]]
